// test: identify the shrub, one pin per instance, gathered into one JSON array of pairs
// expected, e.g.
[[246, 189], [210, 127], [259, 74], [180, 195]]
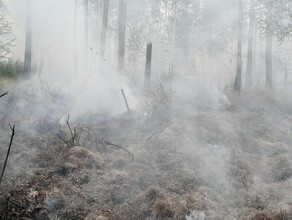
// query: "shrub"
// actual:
[[11, 69]]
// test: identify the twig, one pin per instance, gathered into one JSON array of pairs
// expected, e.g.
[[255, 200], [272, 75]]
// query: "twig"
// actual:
[[62, 115], [6, 93], [73, 134], [117, 146], [69, 145], [125, 99], [96, 134], [78, 184], [107, 142], [146, 142], [12, 202], [8, 152]]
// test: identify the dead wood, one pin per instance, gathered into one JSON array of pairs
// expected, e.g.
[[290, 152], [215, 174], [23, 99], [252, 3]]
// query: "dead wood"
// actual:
[[12, 201], [8, 152], [117, 146], [107, 142], [4, 94], [125, 99], [73, 133]]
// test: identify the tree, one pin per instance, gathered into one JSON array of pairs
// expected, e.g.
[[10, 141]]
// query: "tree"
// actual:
[[122, 34], [75, 37], [86, 35], [28, 41], [103, 30], [6, 35], [237, 83], [269, 65], [276, 20], [248, 80]]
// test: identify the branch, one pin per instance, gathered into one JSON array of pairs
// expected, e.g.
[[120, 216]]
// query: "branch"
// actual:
[[73, 133], [117, 146], [8, 152], [107, 142], [69, 145], [6, 93]]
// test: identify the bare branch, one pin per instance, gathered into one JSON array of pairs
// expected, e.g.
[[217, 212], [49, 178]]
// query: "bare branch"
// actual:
[[8, 152], [69, 145], [117, 146], [6, 93], [73, 133], [107, 142]]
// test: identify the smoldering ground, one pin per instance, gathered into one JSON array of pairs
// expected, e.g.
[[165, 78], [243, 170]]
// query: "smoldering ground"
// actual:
[[193, 161], [186, 151]]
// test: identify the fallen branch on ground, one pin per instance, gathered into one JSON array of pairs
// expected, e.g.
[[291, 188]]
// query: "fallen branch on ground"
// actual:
[[117, 146], [8, 152]]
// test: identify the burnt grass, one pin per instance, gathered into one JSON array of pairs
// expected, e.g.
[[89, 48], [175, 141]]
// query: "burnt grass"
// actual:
[[169, 178]]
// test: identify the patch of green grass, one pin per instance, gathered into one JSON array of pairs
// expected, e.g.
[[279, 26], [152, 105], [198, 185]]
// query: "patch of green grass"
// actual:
[[11, 69]]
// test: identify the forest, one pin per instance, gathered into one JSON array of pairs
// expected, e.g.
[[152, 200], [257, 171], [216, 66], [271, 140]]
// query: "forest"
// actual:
[[146, 109]]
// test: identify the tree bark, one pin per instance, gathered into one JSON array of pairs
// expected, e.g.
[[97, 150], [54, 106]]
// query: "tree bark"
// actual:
[[122, 34], [75, 38], [147, 80], [28, 41], [286, 66], [237, 83], [248, 80], [269, 64], [104, 29], [86, 35]]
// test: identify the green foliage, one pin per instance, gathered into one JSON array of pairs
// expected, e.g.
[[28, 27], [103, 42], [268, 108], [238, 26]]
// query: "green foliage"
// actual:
[[6, 36], [11, 69]]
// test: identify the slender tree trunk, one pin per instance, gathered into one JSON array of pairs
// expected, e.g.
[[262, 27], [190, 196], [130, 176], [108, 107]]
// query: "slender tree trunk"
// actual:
[[28, 41], [248, 79], [103, 31], [147, 80], [122, 34], [286, 66], [255, 49], [86, 35], [269, 64], [75, 38], [237, 83]]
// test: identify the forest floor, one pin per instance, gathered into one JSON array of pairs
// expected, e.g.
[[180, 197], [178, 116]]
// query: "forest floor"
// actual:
[[233, 163]]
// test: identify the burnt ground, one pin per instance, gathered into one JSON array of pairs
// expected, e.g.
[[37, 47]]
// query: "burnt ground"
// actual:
[[205, 164]]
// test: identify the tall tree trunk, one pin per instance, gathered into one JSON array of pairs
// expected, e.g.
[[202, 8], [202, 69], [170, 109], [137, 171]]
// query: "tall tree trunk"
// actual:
[[269, 64], [237, 83], [286, 65], [75, 38], [28, 41], [122, 34], [103, 31], [86, 35], [248, 80], [147, 80]]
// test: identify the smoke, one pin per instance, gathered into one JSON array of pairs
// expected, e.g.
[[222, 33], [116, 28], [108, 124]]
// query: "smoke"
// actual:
[[235, 147]]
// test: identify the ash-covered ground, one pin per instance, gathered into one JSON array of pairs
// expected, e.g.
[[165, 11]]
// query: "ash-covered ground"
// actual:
[[190, 161]]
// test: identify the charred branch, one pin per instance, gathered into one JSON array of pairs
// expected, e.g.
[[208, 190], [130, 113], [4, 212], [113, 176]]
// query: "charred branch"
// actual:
[[6, 93], [8, 152]]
